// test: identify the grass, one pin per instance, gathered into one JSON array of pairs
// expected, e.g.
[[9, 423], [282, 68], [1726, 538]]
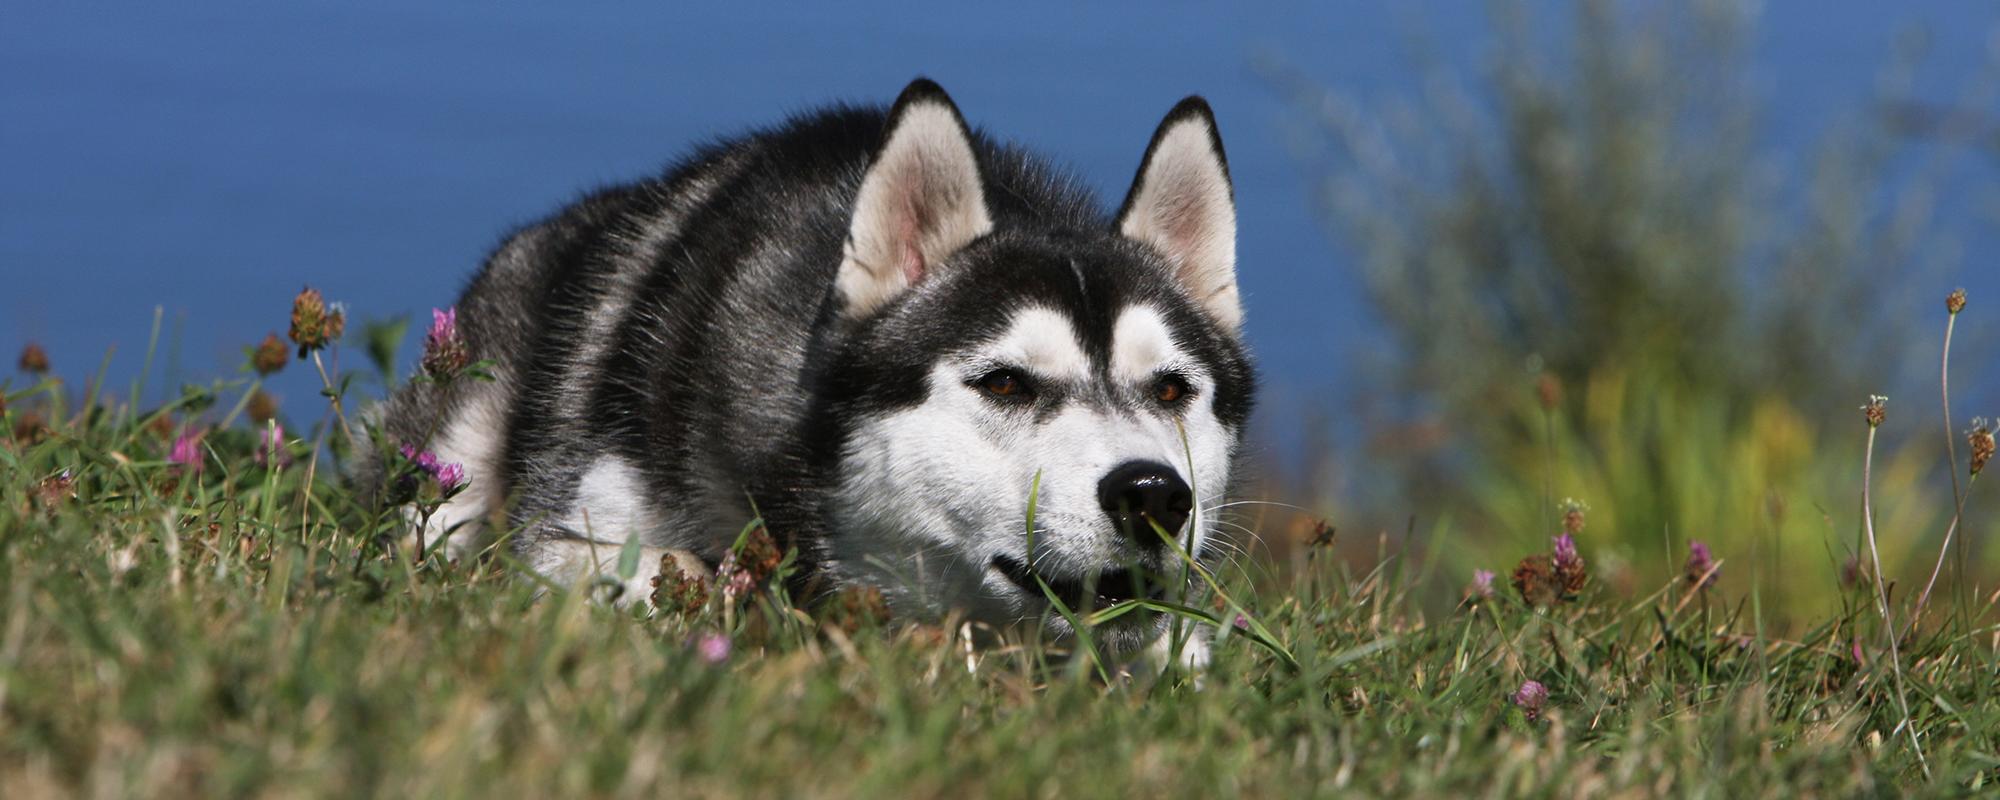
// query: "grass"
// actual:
[[241, 630]]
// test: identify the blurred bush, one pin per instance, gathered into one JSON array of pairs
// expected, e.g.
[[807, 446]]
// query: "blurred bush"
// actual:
[[1596, 289]]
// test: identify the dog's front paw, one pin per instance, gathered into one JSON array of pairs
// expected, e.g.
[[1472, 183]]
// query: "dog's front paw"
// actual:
[[1192, 656]]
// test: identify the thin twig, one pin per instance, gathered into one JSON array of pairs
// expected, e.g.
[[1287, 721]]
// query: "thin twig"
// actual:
[[1944, 389], [334, 395], [1882, 598], [1957, 514], [1951, 467], [1548, 468], [305, 489]]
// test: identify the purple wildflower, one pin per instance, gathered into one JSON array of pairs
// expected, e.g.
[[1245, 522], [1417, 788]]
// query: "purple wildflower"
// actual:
[[447, 476], [271, 447], [186, 453], [1242, 622], [1701, 569], [444, 349], [1567, 566], [1482, 583], [424, 459], [741, 583], [1565, 550], [735, 579], [1530, 698], [713, 647], [450, 477], [444, 326]]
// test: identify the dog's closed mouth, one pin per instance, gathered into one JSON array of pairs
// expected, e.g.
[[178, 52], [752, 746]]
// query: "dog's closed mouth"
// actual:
[[1108, 588]]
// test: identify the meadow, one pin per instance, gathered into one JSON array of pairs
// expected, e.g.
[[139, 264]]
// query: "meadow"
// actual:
[[195, 604], [1627, 518]]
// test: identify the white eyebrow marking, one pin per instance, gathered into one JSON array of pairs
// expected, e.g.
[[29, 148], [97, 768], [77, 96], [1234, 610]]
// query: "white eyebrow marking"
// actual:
[[1042, 340], [1142, 345]]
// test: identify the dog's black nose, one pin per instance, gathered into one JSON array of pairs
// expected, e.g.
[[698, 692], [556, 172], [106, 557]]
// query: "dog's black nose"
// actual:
[[1141, 490]]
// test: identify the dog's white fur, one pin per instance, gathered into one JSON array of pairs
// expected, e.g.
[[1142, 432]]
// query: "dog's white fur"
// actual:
[[898, 534], [473, 441]]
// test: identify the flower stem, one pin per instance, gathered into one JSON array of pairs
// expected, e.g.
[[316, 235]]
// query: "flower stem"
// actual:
[[1944, 389], [1882, 599], [334, 395], [1951, 452], [1957, 514]]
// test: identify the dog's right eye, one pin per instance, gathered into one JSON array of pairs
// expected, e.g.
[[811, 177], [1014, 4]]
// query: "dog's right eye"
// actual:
[[1004, 384]]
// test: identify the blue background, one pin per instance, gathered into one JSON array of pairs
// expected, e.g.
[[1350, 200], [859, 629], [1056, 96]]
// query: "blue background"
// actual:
[[213, 159]]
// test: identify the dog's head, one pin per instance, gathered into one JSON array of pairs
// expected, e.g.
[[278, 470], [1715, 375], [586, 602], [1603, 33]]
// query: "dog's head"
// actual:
[[1007, 367]]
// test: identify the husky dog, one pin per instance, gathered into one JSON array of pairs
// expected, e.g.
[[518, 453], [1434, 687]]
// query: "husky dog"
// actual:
[[884, 330]]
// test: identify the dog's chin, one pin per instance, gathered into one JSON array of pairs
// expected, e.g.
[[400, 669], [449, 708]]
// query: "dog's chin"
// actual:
[[1130, 630]]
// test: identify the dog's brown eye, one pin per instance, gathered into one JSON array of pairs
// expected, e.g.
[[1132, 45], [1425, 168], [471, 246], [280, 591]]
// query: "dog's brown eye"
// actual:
[[1003, 383], [1170, 390]]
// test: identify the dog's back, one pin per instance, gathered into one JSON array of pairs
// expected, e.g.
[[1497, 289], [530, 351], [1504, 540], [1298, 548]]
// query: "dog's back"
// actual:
[[654, 340]]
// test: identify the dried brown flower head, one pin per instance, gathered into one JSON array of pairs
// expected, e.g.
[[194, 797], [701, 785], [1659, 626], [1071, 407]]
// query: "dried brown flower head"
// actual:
[[270, 355], [761, 555], [262, 407], [1549, 390], [314, 324], [34, 360], [308, 317], [336, 322], [1573, 515], [1322, 535], [854, 608], [54, 490], [28, 428], [1955, 302], [1981, 439], [163, 427], [678, 591], [1876, 411], [1534, 579]]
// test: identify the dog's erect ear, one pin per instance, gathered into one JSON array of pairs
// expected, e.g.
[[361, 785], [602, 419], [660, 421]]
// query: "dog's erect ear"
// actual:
[[1182, 205], [921, 200]]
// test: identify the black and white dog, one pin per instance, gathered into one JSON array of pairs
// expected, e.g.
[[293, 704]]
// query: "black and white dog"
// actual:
[[882, 328]]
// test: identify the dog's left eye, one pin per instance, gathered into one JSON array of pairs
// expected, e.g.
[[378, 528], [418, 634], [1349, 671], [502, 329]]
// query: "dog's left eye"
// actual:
[[1171, 390], [1004, 384]]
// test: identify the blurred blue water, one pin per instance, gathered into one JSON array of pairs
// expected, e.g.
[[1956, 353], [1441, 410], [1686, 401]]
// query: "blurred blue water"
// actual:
[[211, 160]]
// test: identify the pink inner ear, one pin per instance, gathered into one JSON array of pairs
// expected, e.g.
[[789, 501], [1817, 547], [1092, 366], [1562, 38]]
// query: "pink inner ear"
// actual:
[[913, 262], [1180, 223], [910, 239]]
